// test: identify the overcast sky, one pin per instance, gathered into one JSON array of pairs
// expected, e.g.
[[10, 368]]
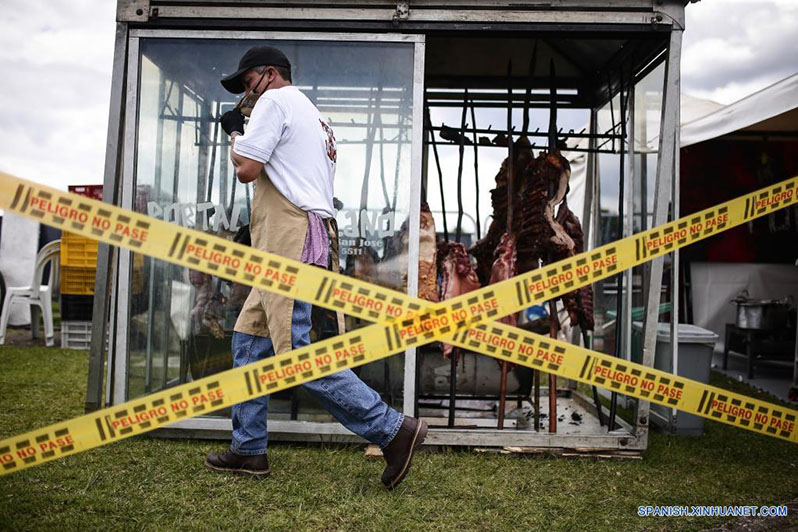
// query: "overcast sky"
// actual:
[[56, 60]]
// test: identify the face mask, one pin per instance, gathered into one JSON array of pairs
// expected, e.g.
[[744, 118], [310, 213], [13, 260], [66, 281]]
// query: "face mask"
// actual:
[[247, 102]]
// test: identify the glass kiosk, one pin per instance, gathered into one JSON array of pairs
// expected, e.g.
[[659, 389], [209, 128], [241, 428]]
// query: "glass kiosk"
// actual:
[[397, 88]]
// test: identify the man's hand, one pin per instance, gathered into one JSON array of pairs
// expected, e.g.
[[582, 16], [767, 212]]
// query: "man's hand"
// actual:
[[232, 122]]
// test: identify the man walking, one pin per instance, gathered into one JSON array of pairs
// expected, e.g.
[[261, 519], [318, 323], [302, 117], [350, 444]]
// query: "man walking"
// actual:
[[290, 154]]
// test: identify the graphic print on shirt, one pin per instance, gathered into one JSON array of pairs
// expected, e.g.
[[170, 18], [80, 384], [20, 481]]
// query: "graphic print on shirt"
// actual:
[[332, 153]]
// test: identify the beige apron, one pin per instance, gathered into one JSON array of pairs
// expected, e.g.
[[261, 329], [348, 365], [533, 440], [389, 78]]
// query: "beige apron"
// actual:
[[277, 226]]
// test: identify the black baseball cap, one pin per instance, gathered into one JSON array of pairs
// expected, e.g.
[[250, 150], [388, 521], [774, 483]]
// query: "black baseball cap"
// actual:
[[255, 57]]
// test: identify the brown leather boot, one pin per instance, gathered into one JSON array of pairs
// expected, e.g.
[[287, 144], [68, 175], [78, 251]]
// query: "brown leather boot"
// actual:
[[256, 466], [399, 453]]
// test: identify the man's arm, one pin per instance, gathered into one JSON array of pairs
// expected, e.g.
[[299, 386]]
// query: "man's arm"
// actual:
[[246, 169], [266, 125]]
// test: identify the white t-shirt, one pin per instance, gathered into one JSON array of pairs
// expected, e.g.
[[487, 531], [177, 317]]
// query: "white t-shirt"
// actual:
[[288, 135]]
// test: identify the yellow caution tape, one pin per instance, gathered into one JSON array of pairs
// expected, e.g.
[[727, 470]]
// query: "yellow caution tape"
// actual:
[[407, 321]]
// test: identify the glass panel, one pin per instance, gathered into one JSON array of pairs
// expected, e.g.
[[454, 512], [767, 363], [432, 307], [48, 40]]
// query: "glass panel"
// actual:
[[647, 104], [648, 111], [648, 107], [648, 115], [181, 320], [608, 228]]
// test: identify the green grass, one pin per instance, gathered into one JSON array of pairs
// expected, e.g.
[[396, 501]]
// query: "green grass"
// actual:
[[156, 484]]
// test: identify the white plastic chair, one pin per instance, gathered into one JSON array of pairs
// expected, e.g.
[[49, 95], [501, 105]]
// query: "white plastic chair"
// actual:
[[36, 294]]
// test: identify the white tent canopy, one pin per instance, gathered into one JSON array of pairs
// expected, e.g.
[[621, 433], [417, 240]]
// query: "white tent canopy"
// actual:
[[773, 109], [691, 107]]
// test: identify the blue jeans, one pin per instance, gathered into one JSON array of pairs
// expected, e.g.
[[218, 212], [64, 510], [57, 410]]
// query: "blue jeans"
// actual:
[[343, 394]]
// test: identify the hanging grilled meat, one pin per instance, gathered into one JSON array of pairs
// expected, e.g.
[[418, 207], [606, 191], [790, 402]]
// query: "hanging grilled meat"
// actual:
[[568, 220], [483, 250], [533, 228], [392, 269], [539, 232], [559, 242], [204, 286], [213, 318], [208, 311], [504, 268], [585, 303], [555, 171], [579, 303], [458, 276], [558, 170], [427, 264]]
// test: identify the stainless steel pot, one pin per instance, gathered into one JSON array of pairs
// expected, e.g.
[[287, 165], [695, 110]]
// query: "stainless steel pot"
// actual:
[[761, 314]]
